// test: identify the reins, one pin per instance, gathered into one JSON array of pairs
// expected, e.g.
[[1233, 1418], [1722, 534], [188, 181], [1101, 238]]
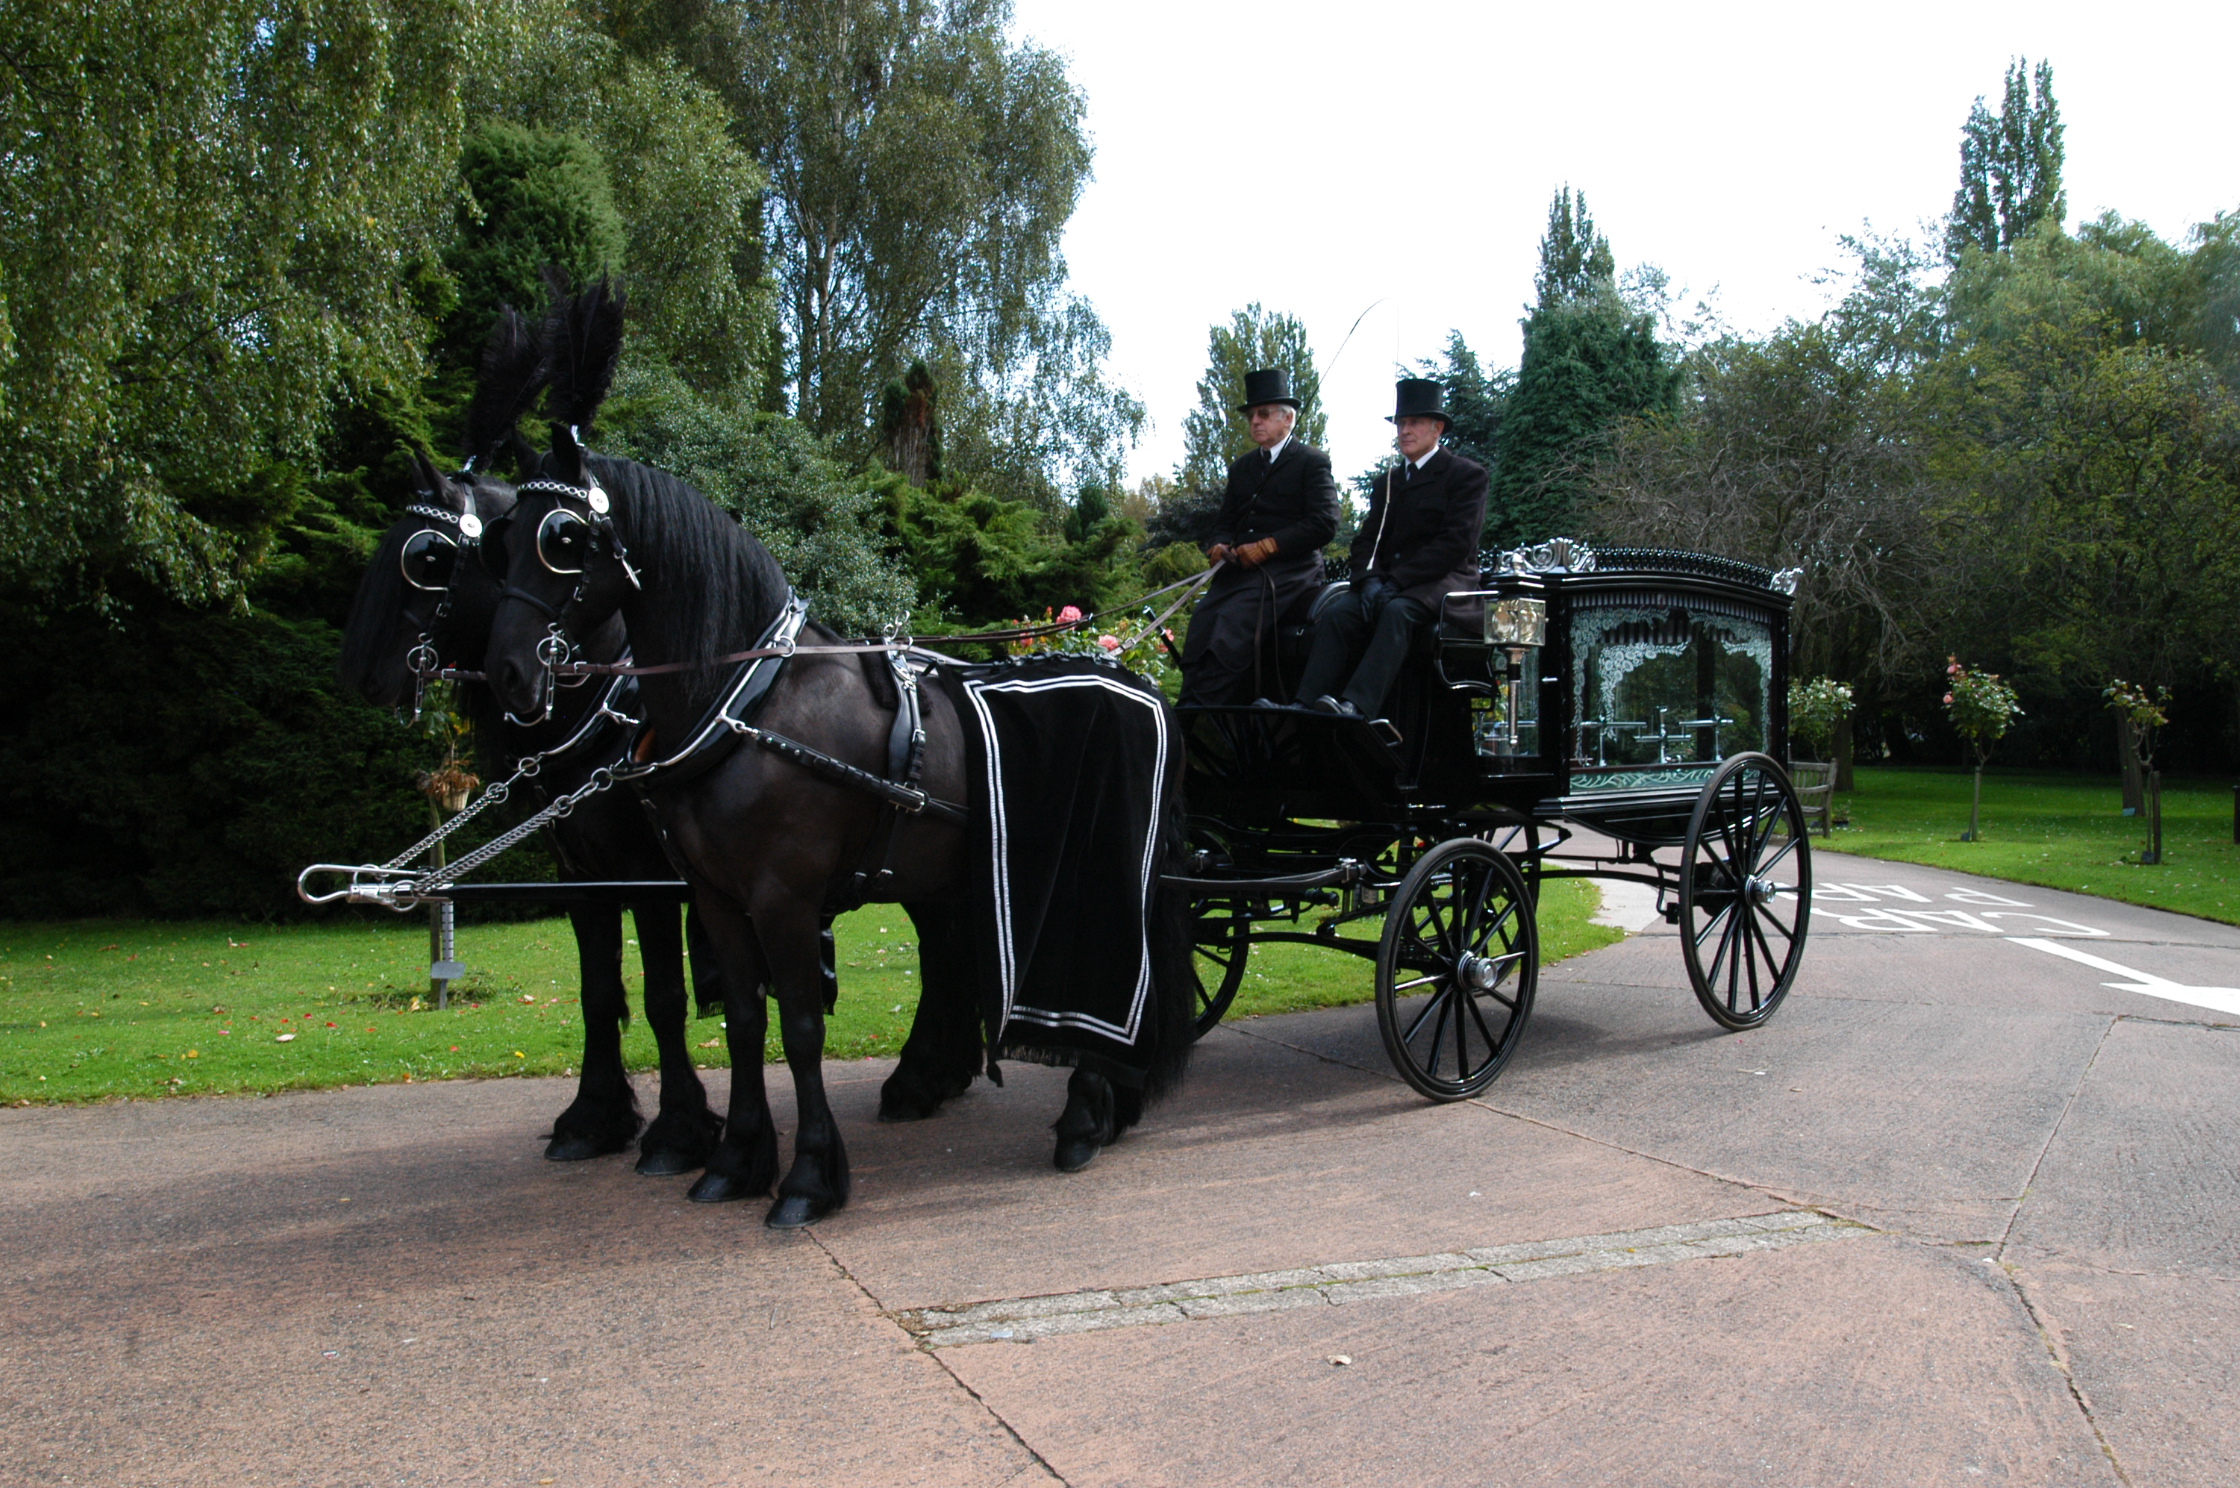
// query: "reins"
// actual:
[[910, 645]]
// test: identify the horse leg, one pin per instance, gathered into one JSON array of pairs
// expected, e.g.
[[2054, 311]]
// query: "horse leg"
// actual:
[[817, 1183], [942, 1054], [604, 1116], [745, 1162], [1088, 1124], [684, 1131], [707, 963]]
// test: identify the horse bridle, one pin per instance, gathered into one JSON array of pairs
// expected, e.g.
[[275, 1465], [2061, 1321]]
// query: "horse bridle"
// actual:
[[429, 562], [565, 542]]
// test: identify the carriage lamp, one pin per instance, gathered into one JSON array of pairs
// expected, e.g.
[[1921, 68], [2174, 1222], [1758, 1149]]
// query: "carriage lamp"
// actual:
[[1518, 628]]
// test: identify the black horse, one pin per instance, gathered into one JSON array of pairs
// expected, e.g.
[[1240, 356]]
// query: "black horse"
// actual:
[[425, 588], [767, 842]]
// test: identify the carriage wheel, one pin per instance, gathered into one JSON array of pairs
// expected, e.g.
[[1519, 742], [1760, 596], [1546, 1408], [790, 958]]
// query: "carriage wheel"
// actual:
[[1745, 892], [1456, 969], [1220, 940]]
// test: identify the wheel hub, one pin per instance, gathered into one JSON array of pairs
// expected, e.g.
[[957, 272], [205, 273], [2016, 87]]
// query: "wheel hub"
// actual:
[[1478, 973], [1760, 890]]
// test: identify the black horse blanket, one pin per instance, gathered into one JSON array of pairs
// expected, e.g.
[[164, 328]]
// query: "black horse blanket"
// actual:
[[1075, 769]]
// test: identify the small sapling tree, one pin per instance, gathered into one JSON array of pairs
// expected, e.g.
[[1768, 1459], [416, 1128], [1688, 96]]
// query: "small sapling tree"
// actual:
[[1982, 706]]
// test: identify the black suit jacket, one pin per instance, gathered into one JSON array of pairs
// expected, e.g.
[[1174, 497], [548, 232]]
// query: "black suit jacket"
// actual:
[[1422, 533], [1294, 501]]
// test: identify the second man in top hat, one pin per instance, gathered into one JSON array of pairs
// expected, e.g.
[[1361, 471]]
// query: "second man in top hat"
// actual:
[[1278, 509], [1418, 543]]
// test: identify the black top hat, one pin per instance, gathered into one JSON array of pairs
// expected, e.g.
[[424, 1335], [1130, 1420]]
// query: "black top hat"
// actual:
[[1268, 385], [1420, 397]]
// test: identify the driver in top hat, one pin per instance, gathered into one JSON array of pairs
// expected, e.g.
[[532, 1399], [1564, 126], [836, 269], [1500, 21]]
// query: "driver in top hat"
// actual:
[[1278, 509], [1418, 544]]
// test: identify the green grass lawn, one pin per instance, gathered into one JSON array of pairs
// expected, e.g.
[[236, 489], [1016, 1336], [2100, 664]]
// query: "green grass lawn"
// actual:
[[2060, 831], [106, 1008]]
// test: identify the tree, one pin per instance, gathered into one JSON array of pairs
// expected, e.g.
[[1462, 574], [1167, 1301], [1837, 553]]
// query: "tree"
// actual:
[[535, 200], [1215, 432], [1477, 399], [909, 430], [215, 220], [2010, 167], [1591, 360], [1575, 260], [922, 167]]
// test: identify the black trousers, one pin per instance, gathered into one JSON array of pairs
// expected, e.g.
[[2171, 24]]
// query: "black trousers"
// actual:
[[1359, 643], [1229, 656]]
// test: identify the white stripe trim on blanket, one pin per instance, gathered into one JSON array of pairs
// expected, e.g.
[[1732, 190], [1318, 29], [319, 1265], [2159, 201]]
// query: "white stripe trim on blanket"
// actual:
[[1007, 962]]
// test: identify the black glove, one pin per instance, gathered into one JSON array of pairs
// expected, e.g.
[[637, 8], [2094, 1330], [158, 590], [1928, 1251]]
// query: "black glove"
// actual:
[[1377, 591]]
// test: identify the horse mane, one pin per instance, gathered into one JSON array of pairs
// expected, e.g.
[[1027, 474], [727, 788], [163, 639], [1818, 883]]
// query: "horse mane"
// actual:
[[513, 370], [718, 586]]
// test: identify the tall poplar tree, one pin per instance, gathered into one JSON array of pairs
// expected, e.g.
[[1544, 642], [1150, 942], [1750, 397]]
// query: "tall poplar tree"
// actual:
[[2010, 166]]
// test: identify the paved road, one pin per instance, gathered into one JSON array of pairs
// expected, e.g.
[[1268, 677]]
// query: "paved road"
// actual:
[[1964, 1212]]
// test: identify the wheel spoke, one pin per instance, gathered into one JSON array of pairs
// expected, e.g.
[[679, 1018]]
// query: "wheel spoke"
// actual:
[[1750, 957], [1438, 1038], [1773, 963], [1414, 982], [1438, 999], [1711, 922], [1783, 851], [1493, 1045], [1761, 912]]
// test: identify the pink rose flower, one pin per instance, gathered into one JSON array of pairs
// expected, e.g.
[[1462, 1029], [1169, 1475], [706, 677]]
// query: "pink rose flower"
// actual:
[[1948, 700], [1070, 613], [1110, 643]]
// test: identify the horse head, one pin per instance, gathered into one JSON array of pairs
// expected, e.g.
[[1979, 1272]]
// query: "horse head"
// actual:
[[425, 598]]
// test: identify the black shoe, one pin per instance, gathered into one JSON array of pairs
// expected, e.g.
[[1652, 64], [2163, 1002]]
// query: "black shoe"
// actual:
[[1336, 705], [1268, 703]]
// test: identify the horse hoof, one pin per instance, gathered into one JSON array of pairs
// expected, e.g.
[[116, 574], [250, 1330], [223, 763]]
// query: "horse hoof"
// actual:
[[668, 1164], [721, 1188], [1076, 1153], [793, 1212], [573, 1148]]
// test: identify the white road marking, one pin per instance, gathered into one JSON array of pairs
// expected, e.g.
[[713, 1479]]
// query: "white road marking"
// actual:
[[2217, 999], [1025, 1318]]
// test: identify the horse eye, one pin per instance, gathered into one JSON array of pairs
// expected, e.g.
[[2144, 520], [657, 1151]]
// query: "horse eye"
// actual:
[[427, 558]]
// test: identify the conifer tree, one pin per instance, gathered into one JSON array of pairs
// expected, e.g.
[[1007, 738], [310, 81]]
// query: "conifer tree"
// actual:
[[1590, 360], [2010, 166], [1215, 433]]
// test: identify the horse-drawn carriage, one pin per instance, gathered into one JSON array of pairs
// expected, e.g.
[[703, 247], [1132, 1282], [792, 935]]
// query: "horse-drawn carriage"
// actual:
[[1619, 715], [1025, 817]]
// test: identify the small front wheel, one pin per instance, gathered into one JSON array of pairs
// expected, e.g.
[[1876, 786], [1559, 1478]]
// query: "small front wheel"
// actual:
[[1456, 969], [1220, 941]]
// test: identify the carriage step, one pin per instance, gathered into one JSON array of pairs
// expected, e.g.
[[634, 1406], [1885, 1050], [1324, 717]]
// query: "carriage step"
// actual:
[[1671, 913]]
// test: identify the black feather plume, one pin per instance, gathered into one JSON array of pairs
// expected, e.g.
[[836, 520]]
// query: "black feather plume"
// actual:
[[583, 342], [513, 371]]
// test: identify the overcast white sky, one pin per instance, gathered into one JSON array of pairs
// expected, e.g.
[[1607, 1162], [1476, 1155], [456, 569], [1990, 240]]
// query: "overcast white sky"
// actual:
[[1320, 157]]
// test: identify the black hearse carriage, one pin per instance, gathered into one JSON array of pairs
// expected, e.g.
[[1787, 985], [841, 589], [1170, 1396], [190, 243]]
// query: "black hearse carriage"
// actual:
[[1620, 715]]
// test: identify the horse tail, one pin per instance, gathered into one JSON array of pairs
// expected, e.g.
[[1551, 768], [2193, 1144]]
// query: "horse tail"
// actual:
[[1174, 986]]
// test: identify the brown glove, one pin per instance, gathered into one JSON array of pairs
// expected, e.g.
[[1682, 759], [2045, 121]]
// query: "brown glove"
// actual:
[[1253, 554], [1218, 553]]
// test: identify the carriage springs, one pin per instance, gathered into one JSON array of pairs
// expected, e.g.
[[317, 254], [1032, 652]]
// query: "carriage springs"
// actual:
[[103, 1009]]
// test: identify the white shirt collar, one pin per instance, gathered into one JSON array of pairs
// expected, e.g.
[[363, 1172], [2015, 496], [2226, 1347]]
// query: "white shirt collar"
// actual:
[[1276, 450], [1429, 455]]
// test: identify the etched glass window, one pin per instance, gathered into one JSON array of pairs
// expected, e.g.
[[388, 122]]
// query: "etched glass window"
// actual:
[[1668, 685]]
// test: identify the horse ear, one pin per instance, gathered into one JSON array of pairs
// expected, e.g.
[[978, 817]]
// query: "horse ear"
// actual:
[[566, 462], [431, 479], [524, 454]]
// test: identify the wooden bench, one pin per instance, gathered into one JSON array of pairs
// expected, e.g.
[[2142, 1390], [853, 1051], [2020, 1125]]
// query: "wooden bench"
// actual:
[[1815, 781]]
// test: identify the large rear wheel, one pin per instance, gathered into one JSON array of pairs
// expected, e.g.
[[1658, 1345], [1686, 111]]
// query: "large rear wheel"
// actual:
[[1456, 969], [1220, 941], [1745, 892]]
